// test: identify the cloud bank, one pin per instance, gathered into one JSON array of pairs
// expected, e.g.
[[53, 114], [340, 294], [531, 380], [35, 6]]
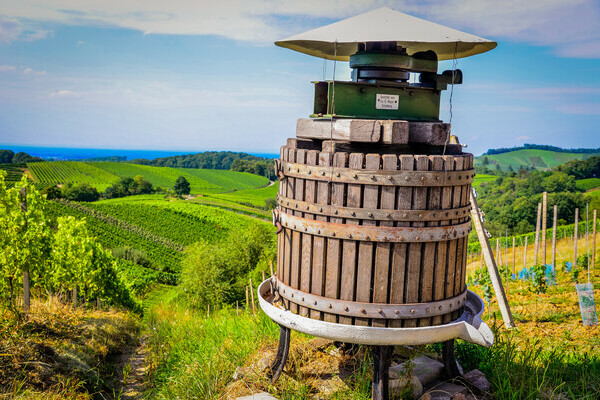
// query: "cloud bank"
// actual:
[[570, 27]]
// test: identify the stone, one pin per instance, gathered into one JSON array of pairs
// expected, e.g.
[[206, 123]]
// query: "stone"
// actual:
[[404, 351], [258, 396], [329, 386], [264, 363], [445, 391], [478, 379], [400, 385], [459, 396], [425, 368], [239, 373], [319, 344]]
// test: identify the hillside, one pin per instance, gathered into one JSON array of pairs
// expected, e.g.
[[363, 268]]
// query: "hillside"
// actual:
[[102, 174], [536, 158]]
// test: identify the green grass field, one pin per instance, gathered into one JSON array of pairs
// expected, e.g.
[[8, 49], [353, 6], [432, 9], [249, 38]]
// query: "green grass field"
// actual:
[[102, 174], [540, 159], [588, 184], [482, 178], [251, 197]]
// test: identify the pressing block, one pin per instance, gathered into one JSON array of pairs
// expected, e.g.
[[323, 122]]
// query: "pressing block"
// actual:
[[433, 133], [354, 130]]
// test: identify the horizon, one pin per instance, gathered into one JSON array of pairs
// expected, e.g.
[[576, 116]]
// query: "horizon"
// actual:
[[207, 77]]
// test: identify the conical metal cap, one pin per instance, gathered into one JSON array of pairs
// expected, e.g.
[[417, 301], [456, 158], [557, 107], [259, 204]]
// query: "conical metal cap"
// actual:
[[386, 25]]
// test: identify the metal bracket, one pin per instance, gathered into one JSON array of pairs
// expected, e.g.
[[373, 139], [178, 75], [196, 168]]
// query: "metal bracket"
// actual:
[[283, 351], [277, 222]]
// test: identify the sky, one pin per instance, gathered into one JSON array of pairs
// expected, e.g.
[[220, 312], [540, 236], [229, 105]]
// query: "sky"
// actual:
[[202, 75]]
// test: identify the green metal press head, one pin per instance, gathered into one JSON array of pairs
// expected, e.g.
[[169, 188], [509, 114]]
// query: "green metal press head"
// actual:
[[384, 47]]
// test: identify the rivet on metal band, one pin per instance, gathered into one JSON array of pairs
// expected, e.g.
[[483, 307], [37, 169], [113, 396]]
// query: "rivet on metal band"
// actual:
[[371, 310], [375, 233]]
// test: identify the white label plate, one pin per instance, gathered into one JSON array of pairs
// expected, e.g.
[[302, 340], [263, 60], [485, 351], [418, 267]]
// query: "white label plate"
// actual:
[[387, 101]]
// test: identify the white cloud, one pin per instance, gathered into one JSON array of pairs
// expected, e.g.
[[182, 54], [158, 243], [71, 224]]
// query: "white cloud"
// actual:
[[521, 138], [7, 68], [66, 94], [80, 42], [570, 27], [31, 71], [580, 108]]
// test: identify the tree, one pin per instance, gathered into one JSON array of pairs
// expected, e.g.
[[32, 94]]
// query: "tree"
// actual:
[[6, 156], [80, 192], [182, 186]]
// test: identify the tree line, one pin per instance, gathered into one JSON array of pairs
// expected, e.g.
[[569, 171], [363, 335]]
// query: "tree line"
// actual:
[[541, 147], [9, 157]]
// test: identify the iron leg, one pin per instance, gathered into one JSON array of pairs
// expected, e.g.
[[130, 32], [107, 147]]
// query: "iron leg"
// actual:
[[449, 359], [282, 354], [382, 356]]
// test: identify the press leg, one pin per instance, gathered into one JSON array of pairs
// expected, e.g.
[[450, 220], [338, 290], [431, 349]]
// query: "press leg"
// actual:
[[282, 354], [382, 356], [449, 359]]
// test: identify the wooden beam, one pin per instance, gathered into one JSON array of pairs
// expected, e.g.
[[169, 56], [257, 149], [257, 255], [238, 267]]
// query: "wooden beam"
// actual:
[[536, 247], [554, 218], [354, 130], [544, 216], [491, 264]]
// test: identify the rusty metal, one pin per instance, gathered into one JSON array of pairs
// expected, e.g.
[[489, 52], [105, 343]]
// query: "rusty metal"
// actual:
[[375, 214], [375, 233], [377, 177], [283, 351], [277, 222], [449, 360], [370, 310], [382, 356]]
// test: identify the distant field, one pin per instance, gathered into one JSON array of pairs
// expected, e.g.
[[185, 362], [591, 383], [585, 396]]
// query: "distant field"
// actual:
[[588, 184], [482, 178], [102, 174], [540, 159], [253, 197]]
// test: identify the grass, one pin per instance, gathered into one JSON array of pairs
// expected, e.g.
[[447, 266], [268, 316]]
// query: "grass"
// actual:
[[482, 178], [588, 184], [250, 197], [57, 352], [540, 159]]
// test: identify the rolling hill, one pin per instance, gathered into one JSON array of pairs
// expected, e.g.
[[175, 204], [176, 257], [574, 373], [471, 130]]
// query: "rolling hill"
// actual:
[[539, 159]]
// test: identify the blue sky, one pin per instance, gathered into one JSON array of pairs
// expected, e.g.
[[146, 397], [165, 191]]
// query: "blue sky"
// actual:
[[202, 75]]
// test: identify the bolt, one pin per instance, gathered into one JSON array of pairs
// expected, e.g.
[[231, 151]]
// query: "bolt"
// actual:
[[423, 179], [353, 214], [407, 178], [396, 312], [380, 311], [363, 311], [315, 303], [323, 173], [346, 308], [330, 306], [337, 174], [390, 178], [305, 229], [372, 176], [336, 212], [320, 209], [412, 311], [388, 215], [426, 310], [355, 175], [370, 214]]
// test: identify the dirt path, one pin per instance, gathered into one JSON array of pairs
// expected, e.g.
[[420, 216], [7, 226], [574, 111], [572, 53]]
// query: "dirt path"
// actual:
[[132, 366]]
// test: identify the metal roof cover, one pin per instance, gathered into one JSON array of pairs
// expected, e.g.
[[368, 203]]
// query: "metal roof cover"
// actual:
[[386, 25]]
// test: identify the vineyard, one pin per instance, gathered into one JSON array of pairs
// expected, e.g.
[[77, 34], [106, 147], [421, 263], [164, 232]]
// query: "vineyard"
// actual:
[[250, 197], [101, 174]]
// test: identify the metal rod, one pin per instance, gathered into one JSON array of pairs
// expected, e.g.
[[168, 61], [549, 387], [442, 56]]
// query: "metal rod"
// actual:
[[575, 234], [449, 360], [594, 242], [544, 221], [381, 366], [554, 218], [283, 351], [536, 247]]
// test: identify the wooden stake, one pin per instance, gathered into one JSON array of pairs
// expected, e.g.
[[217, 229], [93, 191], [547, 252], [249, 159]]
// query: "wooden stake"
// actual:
[[492, 267], [263, 275], [575, 234], [594, 242], [208, 312], [271, 267], [252, 296], [554, 218], [544, 220], [525, 254], [514, 256], [247, 301], [237, 308], [536, 246]]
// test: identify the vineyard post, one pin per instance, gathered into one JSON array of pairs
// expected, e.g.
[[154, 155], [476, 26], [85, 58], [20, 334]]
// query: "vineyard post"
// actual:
[[575, 238], [247, 302], [544, 221], [506, 249], [587, 238], [237, 308], [594, 241], [514, 256], [498, 252], [263, 276], [554, 218], [491, 265], [271, 268], [525, 254], [252, 296], [26, 289], [536, 246], [208, 311]]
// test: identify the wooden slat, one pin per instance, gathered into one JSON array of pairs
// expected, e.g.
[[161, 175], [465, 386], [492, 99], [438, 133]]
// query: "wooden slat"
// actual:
[[429, 256], [296, 237], [305, 251], [349, 252], [332, 278], [405, 199], [383, 276], [319, 243], [396, 198], [448, 198], [415, 250], [457, 200], [444, 196], [365, 249]]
